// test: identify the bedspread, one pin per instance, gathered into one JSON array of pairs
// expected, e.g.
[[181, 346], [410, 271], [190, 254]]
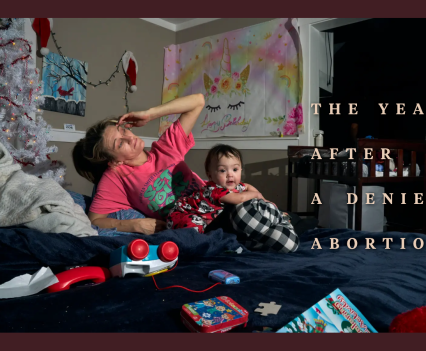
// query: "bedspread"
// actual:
[[381, 283]]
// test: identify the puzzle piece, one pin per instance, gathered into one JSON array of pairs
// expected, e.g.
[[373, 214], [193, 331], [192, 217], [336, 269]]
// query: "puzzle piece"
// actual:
[[264, 330], [268, 308]]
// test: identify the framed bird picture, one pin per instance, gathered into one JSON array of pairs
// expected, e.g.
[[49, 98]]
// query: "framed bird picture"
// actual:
[[64, 82]]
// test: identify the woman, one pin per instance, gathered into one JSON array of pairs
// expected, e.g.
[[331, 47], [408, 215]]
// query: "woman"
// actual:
[[130, 177]]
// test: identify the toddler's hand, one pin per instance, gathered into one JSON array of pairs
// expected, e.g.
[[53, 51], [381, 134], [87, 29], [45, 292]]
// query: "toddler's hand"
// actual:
[[260, 196], [271, 203]]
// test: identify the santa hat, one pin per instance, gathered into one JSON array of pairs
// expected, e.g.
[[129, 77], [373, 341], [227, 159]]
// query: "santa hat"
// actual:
[[43, 26], [130, 67]]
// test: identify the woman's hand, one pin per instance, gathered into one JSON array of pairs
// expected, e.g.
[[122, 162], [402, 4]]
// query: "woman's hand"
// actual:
[[134, 119], [189, 107], [149, 226], [146, 226]]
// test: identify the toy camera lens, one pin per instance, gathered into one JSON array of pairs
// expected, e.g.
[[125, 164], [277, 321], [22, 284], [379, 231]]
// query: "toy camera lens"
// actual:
[[138, 249], [168, 251]]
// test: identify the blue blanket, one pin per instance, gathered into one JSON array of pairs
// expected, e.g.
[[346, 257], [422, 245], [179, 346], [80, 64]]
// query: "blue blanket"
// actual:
[[381, 283]]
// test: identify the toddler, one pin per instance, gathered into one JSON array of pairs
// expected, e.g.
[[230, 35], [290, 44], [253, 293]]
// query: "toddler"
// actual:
[[252, 216], [223, 167]]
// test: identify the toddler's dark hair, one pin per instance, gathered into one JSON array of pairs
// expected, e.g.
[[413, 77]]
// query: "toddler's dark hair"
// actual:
[[220, 150]]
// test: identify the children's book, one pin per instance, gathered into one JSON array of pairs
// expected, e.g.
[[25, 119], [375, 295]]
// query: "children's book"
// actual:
[[333, 314]]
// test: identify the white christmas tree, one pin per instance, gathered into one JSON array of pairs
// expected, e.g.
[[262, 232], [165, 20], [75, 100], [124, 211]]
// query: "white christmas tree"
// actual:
[[25, 137]]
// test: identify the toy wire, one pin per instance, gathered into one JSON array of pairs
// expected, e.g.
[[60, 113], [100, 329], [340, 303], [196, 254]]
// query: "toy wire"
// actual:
[[179, 286]]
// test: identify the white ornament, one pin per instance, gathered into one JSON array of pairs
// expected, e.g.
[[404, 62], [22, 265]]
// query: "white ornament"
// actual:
[[44, 51]]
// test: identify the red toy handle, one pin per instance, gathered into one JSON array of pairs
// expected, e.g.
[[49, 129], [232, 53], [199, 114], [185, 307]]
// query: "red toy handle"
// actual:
[[72, 276]]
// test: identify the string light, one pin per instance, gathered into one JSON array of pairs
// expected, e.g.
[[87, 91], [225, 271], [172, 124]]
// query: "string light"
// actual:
[[106, 82]]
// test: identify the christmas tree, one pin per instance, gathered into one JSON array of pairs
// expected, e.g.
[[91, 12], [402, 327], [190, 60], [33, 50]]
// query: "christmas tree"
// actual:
[[25, 137]]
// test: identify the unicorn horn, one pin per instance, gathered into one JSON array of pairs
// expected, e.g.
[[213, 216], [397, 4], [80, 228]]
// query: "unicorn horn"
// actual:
[[225, 63]]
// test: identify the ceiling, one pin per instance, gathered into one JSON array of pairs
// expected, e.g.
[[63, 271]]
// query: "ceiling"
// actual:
[[177, 24], [177, 20]]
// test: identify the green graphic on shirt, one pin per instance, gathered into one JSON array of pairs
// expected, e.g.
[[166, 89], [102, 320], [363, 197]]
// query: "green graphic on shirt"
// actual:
[[164, 192]]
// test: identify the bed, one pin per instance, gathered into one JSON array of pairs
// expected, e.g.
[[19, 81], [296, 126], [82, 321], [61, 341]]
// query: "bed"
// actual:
[[381, 283], [359, 171]]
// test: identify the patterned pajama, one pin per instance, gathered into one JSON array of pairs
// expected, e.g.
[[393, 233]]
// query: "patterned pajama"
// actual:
[[262, 226], [187, 220], [258, 224], [200, 208]]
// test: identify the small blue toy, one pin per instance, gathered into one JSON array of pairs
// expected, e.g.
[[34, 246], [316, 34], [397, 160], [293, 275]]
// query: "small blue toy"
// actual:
[[224, 277], [140, 258]]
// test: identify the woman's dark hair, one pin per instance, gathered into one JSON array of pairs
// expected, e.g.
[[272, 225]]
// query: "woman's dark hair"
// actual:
[[89, 155], [219, 150]]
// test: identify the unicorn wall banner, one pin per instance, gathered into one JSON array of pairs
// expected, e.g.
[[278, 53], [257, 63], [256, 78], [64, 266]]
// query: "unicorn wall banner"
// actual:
[[251, 79]]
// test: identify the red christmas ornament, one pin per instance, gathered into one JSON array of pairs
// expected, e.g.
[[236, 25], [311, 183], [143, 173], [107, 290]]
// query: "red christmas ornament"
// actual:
[[43, 26], [413, 321], [130, 67]]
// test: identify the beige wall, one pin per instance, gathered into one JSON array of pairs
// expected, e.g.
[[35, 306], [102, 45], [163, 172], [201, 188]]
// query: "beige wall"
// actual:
[[216, 27], [101, 42]]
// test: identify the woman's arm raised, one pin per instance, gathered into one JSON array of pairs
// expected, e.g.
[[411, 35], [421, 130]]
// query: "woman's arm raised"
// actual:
[[189, 106], [146, 226]]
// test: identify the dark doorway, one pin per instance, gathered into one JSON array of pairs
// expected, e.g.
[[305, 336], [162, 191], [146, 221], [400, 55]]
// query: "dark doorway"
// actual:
[[377, 60], [380, 61]]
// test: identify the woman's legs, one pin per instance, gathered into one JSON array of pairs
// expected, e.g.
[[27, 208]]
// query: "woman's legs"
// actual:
[[258, 225], [263, 226]]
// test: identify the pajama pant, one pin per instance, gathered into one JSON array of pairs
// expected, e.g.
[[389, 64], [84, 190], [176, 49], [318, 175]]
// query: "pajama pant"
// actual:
[[186, 220], [258, 225]]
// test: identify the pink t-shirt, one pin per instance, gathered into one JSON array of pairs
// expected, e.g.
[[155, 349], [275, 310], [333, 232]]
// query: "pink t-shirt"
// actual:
[[153, 187]]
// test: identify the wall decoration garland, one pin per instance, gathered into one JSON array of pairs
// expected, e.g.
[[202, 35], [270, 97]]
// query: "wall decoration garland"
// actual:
[[73, 74]]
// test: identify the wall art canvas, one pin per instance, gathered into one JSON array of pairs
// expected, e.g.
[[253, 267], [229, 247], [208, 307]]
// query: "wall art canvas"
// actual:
[[64, 82], [251, 79]]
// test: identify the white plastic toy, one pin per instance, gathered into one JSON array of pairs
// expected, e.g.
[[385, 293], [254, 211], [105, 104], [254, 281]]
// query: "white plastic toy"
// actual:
[[140, 258]]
